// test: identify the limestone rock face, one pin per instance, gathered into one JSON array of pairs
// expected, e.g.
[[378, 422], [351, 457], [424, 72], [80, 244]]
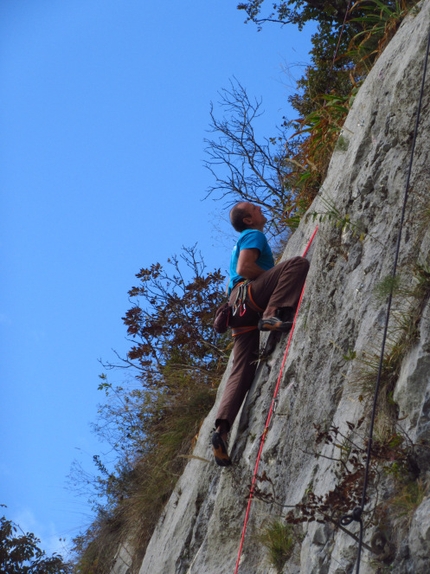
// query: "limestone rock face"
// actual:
[[330, 373]]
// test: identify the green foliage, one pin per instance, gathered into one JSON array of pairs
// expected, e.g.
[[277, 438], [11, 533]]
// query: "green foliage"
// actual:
[[408, 498], [342, 143], [326, 12], [395, 513], [409, 290], [379, 21], [421, 273], [369, 368], [279, 539], [20, 553], [323, 125], [339, 220], [350, 355], [388, 286]]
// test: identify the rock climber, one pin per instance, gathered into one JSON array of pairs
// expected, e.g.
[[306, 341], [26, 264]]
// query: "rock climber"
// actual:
[[263, 297]]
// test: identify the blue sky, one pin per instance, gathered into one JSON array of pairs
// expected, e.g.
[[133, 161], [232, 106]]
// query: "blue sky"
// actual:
[[104, 108]]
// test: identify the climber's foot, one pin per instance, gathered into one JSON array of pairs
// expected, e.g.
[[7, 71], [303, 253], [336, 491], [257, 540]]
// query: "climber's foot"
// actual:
[[219, 448], [275, 324]]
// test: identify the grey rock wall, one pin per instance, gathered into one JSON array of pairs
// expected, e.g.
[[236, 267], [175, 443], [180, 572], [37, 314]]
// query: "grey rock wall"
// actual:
[[339, 330]]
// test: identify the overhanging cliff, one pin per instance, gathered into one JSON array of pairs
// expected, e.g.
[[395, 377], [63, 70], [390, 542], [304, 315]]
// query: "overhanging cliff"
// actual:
[[325, 399]]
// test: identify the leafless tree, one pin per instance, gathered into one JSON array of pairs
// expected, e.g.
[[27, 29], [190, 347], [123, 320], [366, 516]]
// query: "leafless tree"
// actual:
[[245, 169]]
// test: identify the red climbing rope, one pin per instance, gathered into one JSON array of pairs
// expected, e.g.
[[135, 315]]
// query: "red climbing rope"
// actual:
[[269, 415]]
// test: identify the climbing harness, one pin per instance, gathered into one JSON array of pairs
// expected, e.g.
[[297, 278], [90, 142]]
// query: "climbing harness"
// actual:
[[358, 511], [243, 301], [225, 313], [270, 415]]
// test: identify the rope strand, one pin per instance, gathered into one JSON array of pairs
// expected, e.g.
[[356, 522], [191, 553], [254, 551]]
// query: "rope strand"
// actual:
[[356, 515]]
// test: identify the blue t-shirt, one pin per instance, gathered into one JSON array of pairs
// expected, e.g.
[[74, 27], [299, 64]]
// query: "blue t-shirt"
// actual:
[[250, 239]]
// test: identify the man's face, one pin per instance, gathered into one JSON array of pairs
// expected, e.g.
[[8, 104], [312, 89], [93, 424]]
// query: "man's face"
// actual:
[[255, 217]]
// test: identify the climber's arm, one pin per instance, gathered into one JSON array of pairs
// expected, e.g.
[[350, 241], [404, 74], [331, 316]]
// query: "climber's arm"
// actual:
[[246, 264]]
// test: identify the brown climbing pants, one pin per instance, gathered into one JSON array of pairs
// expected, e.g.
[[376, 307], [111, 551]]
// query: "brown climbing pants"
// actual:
[[278, 288]]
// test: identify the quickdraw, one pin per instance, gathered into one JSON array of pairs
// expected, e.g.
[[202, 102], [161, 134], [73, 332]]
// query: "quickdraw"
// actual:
[[239, 303], [244, 296]]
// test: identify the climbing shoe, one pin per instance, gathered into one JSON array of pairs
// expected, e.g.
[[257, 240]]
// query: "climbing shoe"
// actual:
[[219, 448], [275, 324]]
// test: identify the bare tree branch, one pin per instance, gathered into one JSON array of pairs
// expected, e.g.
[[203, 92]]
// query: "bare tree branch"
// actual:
[[244, 168]]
